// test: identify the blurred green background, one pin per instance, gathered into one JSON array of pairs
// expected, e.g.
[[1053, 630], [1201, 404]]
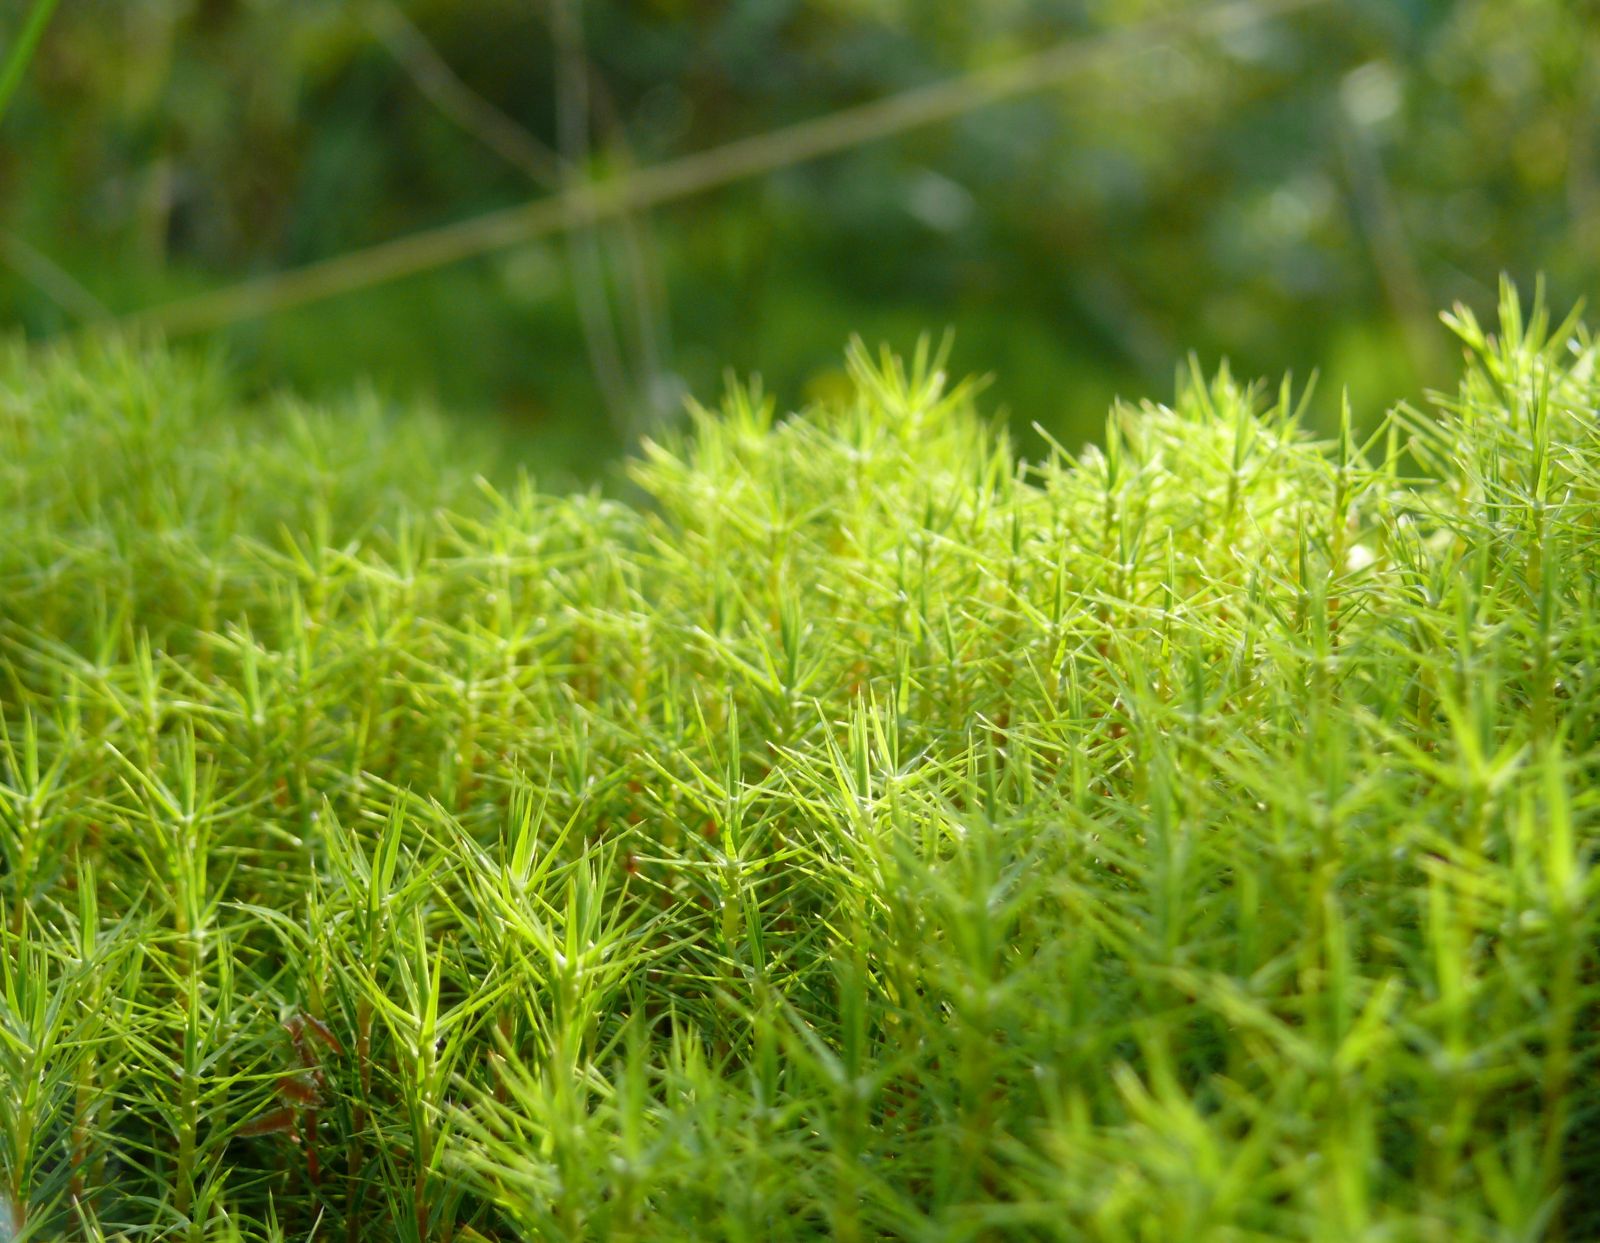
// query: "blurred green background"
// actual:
[[1303, 191]]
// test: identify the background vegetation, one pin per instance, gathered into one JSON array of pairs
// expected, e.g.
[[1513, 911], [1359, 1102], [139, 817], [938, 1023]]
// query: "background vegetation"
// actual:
[[1304, 188]]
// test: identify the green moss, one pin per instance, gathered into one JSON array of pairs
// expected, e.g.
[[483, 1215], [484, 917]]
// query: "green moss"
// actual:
[[868, 835]]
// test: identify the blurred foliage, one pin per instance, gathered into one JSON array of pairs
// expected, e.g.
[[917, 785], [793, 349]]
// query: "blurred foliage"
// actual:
[[1298, 192]]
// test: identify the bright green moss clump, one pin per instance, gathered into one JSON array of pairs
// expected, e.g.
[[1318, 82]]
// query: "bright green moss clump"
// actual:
[[865, 837]]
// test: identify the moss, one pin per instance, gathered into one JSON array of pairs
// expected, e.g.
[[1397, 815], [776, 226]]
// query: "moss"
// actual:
[[868, 834]]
